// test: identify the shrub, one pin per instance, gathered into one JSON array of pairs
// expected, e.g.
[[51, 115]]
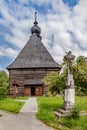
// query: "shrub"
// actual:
[[48, 94], [3, 84], [75, 112]]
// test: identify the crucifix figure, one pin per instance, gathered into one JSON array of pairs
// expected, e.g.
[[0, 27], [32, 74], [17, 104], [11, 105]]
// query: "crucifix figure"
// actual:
[[69, 57], [69, 96]]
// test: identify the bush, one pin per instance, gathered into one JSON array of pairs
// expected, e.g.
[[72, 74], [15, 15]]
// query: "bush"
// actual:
[[75, 112], [55, 81], [54, 94], [48, 94], [3, 84]]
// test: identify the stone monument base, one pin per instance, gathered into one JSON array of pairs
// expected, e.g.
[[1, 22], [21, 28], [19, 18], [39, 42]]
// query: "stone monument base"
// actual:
[[69, 101], [69, 98], [62, 113]]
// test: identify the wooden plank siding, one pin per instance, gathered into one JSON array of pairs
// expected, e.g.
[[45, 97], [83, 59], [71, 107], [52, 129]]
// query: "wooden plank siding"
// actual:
[[20, 75]]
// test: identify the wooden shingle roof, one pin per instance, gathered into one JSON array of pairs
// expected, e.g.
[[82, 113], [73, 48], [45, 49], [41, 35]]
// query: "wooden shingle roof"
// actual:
[[34, 54]]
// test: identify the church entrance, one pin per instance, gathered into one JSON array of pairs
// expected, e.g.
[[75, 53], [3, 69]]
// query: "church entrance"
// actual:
[[32, 91], [26, 91]]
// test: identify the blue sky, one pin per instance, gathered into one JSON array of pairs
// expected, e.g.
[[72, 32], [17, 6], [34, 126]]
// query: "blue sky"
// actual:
[[63, 27]]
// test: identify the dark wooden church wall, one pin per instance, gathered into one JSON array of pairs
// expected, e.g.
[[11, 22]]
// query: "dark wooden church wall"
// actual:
[[20, 75]]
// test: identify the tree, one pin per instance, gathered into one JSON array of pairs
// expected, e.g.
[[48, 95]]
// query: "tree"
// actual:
[[80, 75], [3, 84], [55, 82]]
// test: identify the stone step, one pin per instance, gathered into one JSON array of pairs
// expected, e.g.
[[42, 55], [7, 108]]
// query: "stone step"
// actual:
[[64, 112], [58, 115]]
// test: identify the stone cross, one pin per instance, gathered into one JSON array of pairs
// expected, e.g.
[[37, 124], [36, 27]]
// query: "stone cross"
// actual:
[[69, 92], [69, 57], [69, 88]]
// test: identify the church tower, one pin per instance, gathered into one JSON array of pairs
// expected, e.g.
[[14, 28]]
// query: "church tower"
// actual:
[[28, 70]]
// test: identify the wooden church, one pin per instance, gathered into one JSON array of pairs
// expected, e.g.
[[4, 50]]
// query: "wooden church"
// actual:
[[28, 70]]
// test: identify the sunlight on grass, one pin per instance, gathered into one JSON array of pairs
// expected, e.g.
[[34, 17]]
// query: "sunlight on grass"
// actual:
[[47, 106], [22, 98], [81, 102], [11, 105]]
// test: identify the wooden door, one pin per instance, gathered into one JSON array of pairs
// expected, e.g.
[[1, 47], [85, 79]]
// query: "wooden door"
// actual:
[[38, 91], [27, 91]]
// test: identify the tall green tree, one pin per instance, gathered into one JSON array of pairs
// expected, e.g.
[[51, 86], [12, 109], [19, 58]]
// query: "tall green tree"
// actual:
[[80, 75], [57, 81], [3, 84]]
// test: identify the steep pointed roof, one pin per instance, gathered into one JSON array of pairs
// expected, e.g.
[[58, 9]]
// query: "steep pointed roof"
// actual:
[[34, 54]]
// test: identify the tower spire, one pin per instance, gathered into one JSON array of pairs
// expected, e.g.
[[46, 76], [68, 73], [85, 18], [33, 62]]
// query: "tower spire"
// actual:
[[36, 18], [36, 29]]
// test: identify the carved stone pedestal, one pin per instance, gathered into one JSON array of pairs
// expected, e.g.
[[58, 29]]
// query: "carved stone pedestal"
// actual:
[[69, 99], [69, 96]]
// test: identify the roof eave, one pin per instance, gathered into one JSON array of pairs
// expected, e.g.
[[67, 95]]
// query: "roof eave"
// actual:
[[9, 68]]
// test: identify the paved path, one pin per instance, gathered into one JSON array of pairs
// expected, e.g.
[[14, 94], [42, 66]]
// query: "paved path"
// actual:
[[30, 105], [26, 120]]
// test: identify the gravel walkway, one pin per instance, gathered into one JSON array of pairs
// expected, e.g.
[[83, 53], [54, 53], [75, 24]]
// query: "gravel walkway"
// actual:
[[26, 120], [30, 105]]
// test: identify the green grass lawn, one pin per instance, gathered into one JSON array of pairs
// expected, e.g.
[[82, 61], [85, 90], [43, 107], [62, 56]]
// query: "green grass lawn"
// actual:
[[22, 98], [9, 104], [47, 106]]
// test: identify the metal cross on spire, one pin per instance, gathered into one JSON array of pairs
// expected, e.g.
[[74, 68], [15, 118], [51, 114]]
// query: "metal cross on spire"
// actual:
[[35, 18]]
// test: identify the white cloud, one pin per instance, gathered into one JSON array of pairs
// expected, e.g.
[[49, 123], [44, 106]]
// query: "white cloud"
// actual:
[[9, 52], [1, 53], [41, 2], [58, 21]]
